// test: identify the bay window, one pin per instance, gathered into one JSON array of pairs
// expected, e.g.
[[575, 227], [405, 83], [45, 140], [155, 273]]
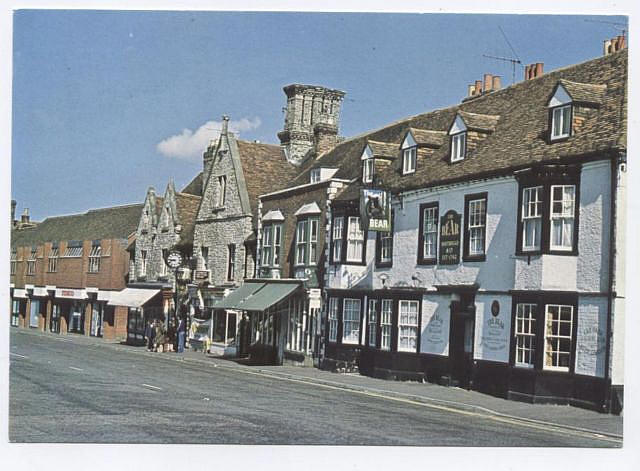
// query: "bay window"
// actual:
[[351, 320], [271, 245], [408, 326], [562, 216]]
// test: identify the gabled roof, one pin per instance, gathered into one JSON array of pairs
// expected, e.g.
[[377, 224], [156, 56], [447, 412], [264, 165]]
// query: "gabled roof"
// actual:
[[195, 186], [584, 92], [519, 136], [187, 208], [117, 222], [384, 150], [265, 169], [428, 137]]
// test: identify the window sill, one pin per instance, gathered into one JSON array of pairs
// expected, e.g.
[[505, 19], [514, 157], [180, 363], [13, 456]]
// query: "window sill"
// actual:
[[553, 140], [474, 258], [217, 209], [427, 261], [409, 172], [384, 264]]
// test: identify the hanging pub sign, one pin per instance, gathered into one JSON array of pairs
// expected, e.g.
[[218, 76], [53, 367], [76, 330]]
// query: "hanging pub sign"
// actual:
[[450, 238], [375, 210]]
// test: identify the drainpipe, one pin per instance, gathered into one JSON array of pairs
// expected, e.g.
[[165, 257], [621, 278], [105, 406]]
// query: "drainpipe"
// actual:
[[616, 160]]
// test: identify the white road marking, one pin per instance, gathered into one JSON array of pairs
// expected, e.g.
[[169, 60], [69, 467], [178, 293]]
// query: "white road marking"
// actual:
[[60, 339], [152, 387], [18, 355], [77, 369]]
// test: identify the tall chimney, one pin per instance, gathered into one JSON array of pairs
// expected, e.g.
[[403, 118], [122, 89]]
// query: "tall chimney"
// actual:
[[496, 85], [532, 71], [13, 212], [488, 82], [25, 216]]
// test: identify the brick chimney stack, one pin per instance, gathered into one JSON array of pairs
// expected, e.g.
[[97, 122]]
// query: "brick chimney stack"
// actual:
[[614, 45], [490, 83], [532, 71]]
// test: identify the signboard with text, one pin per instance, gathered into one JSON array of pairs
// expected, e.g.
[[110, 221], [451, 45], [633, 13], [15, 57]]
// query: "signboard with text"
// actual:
[[375, 210], [450, 238]]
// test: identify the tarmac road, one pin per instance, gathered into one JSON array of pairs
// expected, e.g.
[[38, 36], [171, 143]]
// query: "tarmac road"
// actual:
[[62, 390]]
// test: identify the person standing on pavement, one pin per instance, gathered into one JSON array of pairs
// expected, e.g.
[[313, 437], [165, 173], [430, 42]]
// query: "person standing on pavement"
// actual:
[[148, 333], [182, 329]]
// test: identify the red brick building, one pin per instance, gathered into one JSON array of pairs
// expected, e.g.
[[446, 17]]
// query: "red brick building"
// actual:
[[64, 270]]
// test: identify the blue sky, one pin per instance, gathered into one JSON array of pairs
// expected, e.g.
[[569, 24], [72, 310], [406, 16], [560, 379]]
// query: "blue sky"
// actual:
[[106, 103]]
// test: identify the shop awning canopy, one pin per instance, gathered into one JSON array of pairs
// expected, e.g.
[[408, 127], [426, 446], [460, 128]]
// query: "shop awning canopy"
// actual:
[[237, 297], [39, 291], [257, 296], [132, 297]]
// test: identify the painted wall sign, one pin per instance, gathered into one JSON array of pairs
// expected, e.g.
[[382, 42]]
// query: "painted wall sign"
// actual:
[[435, 328], [591, 338], [375, 210], [493, 329], [201, 276], [450, 238]]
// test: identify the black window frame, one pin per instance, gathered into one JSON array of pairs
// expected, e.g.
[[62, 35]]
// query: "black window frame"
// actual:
[[541, 300], [421, 260], [466, 256], [395, 298], [379, 235], [231, 262], [547, 178]]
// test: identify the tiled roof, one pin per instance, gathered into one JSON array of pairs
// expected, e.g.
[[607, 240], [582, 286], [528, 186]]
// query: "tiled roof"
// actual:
[[187, 207], [480, 122], [107, 223], [265, 169], [520, 134], [584, 92], [429, 138], [383, 149], [195, 186]]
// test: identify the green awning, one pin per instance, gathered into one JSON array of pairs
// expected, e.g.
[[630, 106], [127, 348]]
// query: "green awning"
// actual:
[[235, 298], [268, 296]]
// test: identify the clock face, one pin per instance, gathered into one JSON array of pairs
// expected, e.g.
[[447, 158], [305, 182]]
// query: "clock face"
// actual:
[[174, 259]]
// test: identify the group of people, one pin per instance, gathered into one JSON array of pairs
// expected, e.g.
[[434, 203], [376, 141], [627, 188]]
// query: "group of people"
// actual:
[[157, 337]]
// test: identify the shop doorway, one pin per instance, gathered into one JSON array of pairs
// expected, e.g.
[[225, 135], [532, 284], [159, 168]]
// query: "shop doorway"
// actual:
[[97, 314], [54, 323], [15, 313], [33, 313], [76, 318], [461, 341]]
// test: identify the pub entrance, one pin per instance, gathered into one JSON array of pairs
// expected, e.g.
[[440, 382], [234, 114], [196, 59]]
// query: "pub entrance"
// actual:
[[461, 340]]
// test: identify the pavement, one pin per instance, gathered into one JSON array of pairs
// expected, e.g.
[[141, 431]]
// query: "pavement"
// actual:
[[562, 419]]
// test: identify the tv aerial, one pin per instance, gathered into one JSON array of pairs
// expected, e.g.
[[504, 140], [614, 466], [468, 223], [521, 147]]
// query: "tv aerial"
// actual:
[[512, 60]]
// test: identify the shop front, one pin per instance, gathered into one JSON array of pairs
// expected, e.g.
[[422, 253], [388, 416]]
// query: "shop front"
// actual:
[[144, 306], [72, 304]]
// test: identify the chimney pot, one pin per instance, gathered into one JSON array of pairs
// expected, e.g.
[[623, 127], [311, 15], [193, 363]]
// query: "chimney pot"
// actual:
[[225, 124], [478, 87], [488, 81], [25, 216], [472, 90], [496, 84], [539, 67], [606, 48]]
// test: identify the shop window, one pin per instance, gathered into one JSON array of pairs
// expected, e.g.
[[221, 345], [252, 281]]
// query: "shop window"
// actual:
[[333, 319], [351, 321], [526, 316], [15, 312], [558, 337], [428, 236], [408, 326], [386, 323], [475, 227], [372, 321]]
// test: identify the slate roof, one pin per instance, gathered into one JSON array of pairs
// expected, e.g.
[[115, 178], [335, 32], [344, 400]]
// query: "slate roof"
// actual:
[[117, 222], [195, 186], [519, 138], [429, 138], [187, 207], [383, 149], [480, 122], [265, 169], [584, 92]]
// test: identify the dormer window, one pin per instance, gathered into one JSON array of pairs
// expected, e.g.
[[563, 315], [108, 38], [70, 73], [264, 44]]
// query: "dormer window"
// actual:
[[458, 133], [368, 164], [314, 176], [409, 152], [560, 110]]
